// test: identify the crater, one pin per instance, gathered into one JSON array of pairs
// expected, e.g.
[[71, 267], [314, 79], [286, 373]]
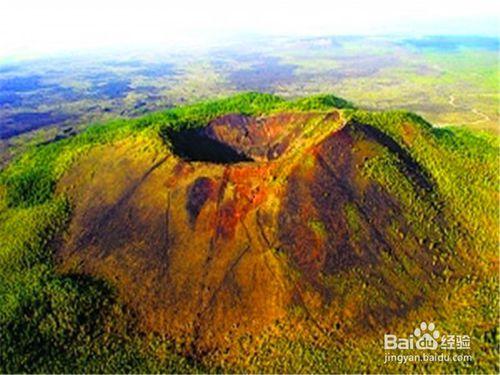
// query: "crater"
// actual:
[[196, 145], [236, 138]]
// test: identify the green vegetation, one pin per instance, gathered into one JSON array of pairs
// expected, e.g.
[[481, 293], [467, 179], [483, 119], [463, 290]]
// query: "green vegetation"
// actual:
[[74, 323], [463, 164]]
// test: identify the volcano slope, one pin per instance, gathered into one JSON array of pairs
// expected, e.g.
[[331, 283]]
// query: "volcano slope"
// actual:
[[249, 234]]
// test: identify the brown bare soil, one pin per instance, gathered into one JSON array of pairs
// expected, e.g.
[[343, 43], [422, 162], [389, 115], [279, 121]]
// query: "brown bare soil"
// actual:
[[209, 251]]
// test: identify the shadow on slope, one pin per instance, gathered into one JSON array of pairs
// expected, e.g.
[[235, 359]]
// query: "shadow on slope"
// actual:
[[195, 145]]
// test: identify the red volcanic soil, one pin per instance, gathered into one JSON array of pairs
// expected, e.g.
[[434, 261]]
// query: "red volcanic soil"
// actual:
[[292, 228]]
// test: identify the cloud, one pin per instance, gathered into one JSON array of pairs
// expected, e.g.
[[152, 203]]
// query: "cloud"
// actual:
[[39, 26]]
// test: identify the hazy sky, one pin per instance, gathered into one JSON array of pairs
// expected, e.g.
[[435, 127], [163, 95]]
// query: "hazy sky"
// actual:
[[49, 26]]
